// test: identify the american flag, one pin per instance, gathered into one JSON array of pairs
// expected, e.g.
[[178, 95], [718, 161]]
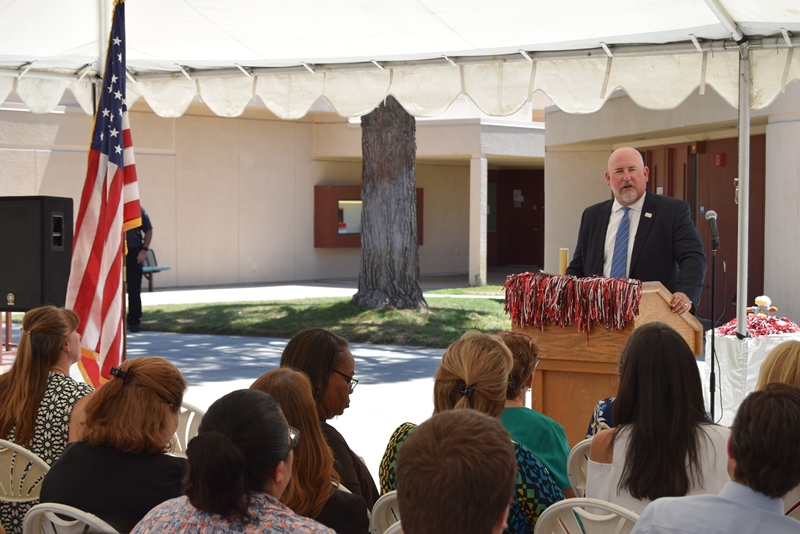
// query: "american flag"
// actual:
[[109, 206]]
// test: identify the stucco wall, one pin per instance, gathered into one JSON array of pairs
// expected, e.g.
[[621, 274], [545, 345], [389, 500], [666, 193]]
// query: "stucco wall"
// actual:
[[231, 200], [781, 227], [573, 180]]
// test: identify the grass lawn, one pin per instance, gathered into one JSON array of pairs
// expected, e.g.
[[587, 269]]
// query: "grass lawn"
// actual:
[[445, 322]]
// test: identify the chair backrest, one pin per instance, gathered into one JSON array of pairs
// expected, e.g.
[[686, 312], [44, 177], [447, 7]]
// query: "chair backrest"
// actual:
[[150, 260], [397, 528], [21, 473], [385, 513], [54, 518], [577, 465], [583, 515], [188, 425]]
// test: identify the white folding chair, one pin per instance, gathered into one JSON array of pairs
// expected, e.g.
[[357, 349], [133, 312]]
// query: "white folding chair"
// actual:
[[385, 513], [577, 465], [397, 528], [54, 518], [188, 425], [585, 516], [21, 473]]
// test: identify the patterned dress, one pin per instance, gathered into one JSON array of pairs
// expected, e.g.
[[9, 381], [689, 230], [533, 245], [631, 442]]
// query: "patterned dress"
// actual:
[[602, 417], [535, 488], [50, 436], [271, 516]]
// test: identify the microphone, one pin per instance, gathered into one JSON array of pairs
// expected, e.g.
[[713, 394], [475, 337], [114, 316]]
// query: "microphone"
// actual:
[[711, 217]]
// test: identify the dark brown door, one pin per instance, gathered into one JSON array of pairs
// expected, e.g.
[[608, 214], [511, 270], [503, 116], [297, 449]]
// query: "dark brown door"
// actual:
[[518, 238], [717, 172]]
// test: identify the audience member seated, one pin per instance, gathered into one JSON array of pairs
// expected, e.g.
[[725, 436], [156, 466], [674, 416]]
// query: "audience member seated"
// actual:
[[544, 437], [125, 430], [474, 374], [37, 394], [602, 417], [240, 463], [782, 365], [456, 473], [327, 361], [663, 444], [763, 451], [312, 490]]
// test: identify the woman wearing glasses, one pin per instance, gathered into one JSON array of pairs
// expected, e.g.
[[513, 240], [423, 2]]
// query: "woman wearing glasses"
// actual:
[[544, 437], [327, 361], [314, 489], [240, 463]]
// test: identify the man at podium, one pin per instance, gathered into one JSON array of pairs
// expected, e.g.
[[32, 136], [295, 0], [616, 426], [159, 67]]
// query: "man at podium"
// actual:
[[639, 234]]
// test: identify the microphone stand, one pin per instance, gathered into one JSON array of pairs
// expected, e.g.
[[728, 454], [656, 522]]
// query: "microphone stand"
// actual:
[[714, 247]]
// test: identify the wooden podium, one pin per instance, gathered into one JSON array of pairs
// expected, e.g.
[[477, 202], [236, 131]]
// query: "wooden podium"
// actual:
[[579, 369]]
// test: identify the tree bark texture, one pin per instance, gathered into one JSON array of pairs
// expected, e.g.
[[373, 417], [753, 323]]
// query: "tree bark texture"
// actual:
[[389, 274]]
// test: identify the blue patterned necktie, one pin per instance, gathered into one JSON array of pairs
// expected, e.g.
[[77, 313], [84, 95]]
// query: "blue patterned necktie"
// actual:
[[619, 261]]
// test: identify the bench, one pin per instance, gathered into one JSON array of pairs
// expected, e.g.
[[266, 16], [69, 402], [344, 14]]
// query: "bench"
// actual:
[[151, 266]]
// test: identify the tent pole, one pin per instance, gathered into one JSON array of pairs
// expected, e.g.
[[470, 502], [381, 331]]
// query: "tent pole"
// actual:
[[744, 191], [103, 31]]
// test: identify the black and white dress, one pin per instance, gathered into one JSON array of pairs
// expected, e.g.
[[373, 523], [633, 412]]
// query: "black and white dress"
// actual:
[[49, 437]]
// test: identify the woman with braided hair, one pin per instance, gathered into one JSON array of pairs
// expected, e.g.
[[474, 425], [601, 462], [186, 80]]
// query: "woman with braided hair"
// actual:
[[474, 374]]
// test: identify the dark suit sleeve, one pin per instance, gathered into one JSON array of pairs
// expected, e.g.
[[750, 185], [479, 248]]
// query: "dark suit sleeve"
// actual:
[[689, 254], [575, 267]]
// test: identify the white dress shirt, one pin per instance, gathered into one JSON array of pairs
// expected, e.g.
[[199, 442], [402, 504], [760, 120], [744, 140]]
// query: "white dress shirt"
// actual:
[[634, 214]]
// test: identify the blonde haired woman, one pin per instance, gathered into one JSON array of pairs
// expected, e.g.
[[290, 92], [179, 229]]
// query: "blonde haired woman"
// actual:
[[782, 365], [474, 374], [37, 394], [311, 491]]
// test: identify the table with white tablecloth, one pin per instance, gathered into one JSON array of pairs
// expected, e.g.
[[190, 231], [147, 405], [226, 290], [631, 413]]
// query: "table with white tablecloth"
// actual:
[[739, 361]]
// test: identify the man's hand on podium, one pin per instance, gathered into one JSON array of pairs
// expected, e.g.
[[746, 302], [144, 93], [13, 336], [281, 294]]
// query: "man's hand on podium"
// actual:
[[680, 303]]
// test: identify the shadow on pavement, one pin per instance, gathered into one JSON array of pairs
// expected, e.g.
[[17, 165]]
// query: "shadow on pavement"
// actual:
[[207, 358]]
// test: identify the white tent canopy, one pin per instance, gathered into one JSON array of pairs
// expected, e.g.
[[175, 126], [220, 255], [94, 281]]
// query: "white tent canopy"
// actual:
[[424, 52]]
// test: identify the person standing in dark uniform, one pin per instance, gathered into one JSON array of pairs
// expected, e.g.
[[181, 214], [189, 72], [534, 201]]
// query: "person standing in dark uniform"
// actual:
[[138, 240]]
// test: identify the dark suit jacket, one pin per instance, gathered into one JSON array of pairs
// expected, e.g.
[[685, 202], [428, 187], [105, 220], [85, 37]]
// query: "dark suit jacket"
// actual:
[[667, 247]]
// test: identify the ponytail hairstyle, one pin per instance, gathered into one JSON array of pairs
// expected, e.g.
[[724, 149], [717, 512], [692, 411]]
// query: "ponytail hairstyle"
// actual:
[[473, 374], [129, 413], [312, 470], [44, 332], [242, 438]]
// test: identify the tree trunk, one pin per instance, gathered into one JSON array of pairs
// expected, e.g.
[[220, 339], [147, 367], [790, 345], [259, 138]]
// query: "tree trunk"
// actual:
[[389, 273]]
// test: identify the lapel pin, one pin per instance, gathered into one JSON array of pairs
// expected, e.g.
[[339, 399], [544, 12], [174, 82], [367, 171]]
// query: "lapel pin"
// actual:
[[648, 215]]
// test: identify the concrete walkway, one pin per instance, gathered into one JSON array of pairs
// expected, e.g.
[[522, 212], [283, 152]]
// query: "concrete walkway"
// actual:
[[395, 382]]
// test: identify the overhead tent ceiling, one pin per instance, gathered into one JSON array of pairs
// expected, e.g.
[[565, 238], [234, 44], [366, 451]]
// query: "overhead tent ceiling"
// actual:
[[424, 52]]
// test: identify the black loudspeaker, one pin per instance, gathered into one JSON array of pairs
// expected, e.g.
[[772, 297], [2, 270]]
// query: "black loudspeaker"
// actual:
[[36, 251]]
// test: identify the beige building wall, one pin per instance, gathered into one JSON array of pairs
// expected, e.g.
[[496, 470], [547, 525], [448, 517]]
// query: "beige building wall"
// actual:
[[231, 200]]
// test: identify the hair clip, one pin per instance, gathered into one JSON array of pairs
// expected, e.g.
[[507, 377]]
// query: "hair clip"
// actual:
[[119, 373], [466, 391], [26, 332]]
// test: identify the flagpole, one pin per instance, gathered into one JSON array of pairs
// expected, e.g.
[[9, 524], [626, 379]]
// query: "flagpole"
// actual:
[[109, 206]]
